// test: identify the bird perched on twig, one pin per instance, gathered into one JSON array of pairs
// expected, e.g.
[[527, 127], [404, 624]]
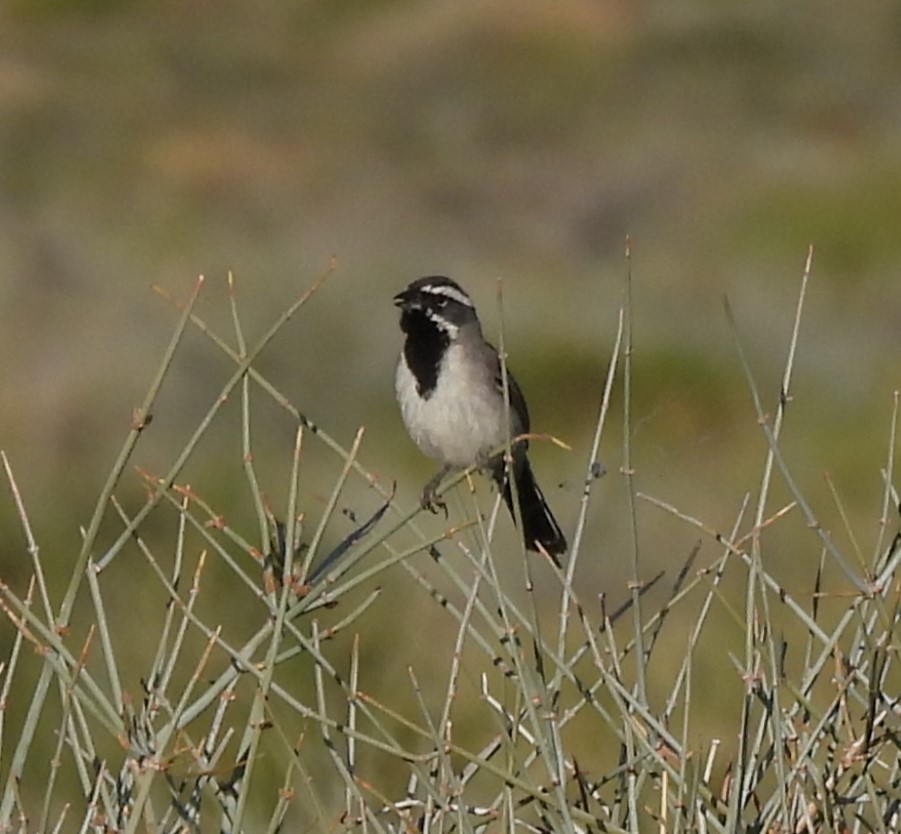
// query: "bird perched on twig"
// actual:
[[450, 391]]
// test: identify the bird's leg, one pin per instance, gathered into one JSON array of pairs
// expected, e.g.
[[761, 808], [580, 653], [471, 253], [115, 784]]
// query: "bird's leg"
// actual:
[[430, 500]]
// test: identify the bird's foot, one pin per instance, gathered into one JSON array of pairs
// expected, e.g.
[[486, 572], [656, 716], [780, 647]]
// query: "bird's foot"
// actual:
[[430, 500]]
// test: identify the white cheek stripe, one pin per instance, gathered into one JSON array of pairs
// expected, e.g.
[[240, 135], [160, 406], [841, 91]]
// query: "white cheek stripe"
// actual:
[[450, 292], [443, 324]]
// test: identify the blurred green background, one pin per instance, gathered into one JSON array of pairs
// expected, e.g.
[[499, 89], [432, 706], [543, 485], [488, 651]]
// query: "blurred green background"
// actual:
[[145, 143]]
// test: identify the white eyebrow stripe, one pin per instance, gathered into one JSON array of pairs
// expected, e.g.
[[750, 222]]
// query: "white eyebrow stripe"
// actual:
[[451, 292]]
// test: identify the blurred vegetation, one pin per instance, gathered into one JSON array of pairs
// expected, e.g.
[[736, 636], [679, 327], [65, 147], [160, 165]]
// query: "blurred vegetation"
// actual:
[[144, 143]]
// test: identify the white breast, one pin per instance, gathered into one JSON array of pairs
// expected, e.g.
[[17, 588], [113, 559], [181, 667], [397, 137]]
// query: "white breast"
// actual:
[[462, 421]]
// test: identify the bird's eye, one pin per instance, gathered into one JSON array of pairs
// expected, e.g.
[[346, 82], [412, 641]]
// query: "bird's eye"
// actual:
[[442, 302]]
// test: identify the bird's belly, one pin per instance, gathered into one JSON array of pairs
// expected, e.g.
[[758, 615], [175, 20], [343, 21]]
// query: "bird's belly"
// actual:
[[454, 425]]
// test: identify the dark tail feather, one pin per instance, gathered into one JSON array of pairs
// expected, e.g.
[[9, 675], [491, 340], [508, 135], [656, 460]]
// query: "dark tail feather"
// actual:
[[538, 522]]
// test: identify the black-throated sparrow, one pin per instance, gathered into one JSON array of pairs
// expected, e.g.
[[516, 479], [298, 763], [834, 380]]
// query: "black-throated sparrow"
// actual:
[[449, 388]]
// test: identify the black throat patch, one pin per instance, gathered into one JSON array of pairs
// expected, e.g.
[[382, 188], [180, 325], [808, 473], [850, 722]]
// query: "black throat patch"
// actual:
[[423, 349]]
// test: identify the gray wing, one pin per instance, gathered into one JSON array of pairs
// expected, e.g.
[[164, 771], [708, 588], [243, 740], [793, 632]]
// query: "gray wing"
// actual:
[[519, 411]]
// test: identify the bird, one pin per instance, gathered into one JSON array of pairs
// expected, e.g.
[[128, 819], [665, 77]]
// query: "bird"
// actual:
[[449, 386]]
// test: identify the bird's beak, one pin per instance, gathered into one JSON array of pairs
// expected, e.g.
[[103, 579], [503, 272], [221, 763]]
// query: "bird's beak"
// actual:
[[403, 299]]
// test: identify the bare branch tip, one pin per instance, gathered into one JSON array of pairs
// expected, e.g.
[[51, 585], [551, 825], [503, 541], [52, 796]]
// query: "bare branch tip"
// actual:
[[808, 262]]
